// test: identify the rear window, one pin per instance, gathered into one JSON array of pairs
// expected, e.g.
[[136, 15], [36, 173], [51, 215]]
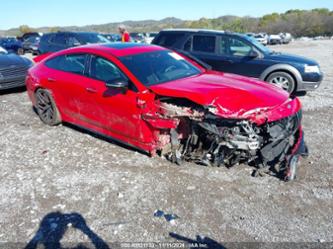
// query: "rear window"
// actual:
[[68, 63], [202, 43], [168, 39]]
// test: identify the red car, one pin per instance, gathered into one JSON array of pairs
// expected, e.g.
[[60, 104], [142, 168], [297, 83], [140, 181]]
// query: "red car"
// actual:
[[161, 102]]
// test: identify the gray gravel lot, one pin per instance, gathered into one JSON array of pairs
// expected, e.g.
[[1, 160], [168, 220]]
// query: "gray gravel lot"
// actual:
[[47, 169]]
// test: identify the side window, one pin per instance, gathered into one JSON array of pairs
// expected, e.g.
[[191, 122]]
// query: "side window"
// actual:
[[203, 43], [238, 48], [168, 40], [58, 39], [224, 46], [74, 63], [104, 70], [188, 45], [45, 38], [72, 41]]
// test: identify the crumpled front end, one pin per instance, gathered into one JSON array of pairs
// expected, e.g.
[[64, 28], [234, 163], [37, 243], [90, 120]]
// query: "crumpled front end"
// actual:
[[198, 134]]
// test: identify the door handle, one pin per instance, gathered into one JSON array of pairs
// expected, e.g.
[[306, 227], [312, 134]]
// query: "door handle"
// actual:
[[91, 90], [51, 80]]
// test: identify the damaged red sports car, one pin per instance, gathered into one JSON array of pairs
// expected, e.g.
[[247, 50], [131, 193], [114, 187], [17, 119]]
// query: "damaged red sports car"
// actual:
[[164, 103]]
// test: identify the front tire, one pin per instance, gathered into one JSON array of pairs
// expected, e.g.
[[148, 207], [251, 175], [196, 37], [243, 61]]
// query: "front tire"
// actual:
[[283, 80], [46, 108]]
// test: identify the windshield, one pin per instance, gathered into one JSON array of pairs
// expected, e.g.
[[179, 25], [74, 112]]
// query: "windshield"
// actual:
[[264, 49], [3, 51], [93, 38], [159, 67], [33, 39]]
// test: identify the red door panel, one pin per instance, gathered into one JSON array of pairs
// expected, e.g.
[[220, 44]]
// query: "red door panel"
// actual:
[[112, 110]]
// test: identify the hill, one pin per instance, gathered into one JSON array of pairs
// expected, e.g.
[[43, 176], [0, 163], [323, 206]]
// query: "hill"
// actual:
[[297, 22]]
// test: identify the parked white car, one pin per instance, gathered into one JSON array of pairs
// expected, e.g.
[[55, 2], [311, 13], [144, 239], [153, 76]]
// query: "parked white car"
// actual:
[[275, 39], [305, 38], [150, 37], [286, 38], [262, 38]]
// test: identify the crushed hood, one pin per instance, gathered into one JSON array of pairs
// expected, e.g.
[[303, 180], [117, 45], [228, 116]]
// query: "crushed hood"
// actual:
[[232, 96]]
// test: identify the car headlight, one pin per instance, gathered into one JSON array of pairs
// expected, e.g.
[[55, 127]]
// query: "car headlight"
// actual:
[[311, 69]]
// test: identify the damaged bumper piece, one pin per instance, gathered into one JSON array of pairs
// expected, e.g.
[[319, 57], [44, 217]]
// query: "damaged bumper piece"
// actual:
[[190, 132]]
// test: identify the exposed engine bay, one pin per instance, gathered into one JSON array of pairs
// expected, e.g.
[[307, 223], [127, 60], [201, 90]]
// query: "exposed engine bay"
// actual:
[[208, 139]]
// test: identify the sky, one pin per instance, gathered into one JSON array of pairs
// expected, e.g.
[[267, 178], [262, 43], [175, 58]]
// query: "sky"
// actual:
[[39, 13]]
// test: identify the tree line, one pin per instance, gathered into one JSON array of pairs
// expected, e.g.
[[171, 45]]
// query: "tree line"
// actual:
[[310, 23]]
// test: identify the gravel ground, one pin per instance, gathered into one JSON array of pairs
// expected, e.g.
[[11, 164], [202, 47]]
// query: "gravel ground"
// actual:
[[117, 190]]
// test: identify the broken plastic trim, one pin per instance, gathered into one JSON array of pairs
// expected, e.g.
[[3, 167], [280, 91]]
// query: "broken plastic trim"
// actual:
[[202, 137]]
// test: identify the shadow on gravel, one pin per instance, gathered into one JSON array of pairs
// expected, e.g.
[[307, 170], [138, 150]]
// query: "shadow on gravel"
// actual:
[[54, 226], [13, 90], [105, 138], [199, 242], [300, 94]]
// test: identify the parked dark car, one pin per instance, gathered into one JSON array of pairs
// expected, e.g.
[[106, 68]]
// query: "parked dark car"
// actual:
[[28, 35], [137, 37], [112, 37], [53, 42], [241, 54], [13, 70], [31, 45], [11, 44]]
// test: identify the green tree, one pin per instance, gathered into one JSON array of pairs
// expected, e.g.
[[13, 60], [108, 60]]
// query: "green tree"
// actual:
[[54, 29], [25, 29]]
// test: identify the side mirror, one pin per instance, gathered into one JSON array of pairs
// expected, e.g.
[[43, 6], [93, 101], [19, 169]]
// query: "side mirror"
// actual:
[[120, 84], [253, 54]]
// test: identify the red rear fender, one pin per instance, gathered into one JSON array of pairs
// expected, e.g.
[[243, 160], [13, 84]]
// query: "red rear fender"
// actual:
[[41, 57]]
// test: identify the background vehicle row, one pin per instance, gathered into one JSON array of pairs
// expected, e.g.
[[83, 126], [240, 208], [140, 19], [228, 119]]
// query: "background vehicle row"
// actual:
[[244, 55]]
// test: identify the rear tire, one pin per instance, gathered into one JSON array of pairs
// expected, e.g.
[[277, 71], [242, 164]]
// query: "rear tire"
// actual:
[[46, 108], [283, 80]]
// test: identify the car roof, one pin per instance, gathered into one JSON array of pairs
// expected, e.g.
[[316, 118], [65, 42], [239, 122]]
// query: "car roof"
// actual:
[[118, 49], [69, 32], [196, 31]]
